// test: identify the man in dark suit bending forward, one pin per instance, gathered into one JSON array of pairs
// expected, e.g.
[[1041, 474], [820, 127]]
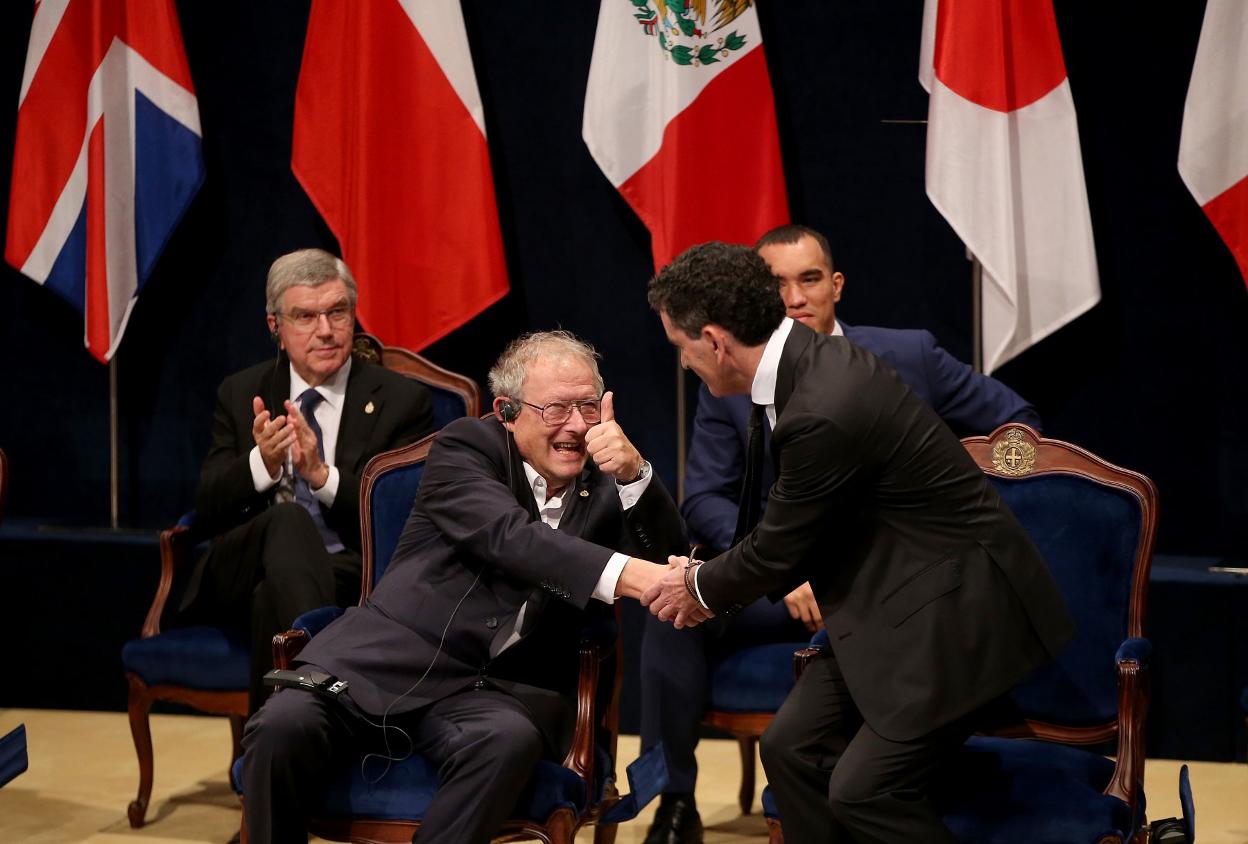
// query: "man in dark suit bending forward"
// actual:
[[935, 601]]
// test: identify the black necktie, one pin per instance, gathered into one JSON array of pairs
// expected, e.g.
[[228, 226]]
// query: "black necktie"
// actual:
[[752, 486], [308, 401]]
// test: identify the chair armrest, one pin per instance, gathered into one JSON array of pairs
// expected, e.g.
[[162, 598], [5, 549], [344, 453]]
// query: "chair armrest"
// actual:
[[176, 545], [580, 758], [803, 657], [1127, 783], [287, 645]]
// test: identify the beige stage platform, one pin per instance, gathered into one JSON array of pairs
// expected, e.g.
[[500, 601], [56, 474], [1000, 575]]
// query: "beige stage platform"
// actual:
[[83, 773]]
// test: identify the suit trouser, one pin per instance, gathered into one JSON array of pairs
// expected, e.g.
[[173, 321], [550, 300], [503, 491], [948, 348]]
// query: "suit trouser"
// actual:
[[265, 573], [675, 677], [483, 743], [837, 780]]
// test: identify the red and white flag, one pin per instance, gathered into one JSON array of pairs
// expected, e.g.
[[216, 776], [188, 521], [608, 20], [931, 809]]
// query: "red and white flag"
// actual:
[[679, 116], [1213, 150], [390, 145], [1004, 166]]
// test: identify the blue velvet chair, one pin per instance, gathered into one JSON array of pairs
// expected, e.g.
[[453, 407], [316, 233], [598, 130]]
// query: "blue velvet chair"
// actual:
[[1070, 769], [205, 667], [560, 799], [747, 687]]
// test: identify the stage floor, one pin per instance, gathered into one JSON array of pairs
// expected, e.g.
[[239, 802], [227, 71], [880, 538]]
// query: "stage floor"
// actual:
[[83, 773]]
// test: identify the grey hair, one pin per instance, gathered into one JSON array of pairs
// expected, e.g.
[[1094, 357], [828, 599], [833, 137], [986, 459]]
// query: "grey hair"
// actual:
[[307, 268], [508, 375]]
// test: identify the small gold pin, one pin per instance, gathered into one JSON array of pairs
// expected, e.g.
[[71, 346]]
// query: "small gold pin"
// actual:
[[370, 407], [584, 493]]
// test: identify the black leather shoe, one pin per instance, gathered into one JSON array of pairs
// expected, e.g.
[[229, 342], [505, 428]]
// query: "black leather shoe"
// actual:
[[675, 822]]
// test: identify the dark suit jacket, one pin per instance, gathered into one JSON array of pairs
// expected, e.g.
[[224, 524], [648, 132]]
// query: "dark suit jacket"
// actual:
[[935, 600], [970, 403], [473, 552], [382, 410]]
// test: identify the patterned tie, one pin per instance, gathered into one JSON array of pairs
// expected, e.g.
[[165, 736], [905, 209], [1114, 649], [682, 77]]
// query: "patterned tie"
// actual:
[[303, 493], [752, 486]]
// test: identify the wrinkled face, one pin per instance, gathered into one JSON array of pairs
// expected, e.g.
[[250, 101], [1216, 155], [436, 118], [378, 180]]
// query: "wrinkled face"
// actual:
[[556, 452], [319, 350], [808, 286], [698, 354]]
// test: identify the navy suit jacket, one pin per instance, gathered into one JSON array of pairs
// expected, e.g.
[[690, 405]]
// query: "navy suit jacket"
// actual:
[[473, 552], [968, 402]]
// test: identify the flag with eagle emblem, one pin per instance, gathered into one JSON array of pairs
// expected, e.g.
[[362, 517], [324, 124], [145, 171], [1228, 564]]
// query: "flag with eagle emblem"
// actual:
[[679, 116]]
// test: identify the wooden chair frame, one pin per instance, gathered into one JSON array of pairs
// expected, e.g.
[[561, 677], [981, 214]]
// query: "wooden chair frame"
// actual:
[[422, 369]]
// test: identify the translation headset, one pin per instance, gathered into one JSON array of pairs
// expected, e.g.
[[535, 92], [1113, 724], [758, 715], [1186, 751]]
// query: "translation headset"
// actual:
[[509, 410]]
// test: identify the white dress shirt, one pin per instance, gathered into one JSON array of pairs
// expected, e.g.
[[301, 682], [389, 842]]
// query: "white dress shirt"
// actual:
[[328, 413]]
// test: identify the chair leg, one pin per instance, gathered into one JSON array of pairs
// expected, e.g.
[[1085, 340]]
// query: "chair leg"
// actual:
[[561, 826], [236, 733], [139, 706], [746, 745], [605, 834]]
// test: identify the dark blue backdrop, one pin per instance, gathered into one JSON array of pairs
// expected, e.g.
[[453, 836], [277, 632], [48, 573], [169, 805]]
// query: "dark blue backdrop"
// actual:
[[1151, 378]]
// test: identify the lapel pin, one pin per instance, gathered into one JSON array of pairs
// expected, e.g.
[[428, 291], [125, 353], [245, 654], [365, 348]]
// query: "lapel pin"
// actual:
[[584, 493], [370, 407]]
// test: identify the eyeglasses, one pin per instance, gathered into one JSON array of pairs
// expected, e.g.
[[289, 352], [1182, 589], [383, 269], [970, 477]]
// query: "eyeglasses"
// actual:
[[339, 316], [558, 412]]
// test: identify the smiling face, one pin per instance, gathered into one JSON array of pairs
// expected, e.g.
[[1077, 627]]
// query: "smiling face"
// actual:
[[319, 351], [556, 452], [808, 286]]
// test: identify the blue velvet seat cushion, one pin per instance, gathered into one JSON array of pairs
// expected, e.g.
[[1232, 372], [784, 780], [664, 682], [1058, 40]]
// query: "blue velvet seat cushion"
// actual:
[[405, 790], [770, 810], [198, 657], [1001, 790], [1013, 791], [756, 679], [314, 621]]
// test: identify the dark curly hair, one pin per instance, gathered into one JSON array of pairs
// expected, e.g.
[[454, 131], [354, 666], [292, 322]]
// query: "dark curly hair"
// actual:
[[720, 283]]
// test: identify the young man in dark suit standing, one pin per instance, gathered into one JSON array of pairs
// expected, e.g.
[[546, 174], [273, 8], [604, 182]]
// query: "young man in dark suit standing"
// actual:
[[935, 601], [279, 489], [468, 644]]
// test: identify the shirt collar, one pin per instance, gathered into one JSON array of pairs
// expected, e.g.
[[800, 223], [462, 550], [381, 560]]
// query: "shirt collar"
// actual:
[[763, 390], [837, 330], [539, 487], [333, 391]]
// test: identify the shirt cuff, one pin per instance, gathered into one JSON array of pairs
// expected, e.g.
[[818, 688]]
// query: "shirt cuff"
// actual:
[[329, 492], [631, 493], [697, 591], [260, 477], [605, 590]]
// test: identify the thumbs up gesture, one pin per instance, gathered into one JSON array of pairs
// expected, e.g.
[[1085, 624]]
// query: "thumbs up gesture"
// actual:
[[609, 448]]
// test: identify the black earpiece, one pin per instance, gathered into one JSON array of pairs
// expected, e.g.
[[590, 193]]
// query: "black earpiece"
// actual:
[[509, 411]]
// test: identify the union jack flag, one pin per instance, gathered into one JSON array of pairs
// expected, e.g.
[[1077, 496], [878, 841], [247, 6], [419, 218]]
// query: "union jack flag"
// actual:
[[107, 156]]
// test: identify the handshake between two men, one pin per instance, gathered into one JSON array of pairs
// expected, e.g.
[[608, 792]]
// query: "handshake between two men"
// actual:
[[668, 591]]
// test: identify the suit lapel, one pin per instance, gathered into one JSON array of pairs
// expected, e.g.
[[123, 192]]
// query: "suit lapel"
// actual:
[[581, 500], [799, 340], [361, 407]]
